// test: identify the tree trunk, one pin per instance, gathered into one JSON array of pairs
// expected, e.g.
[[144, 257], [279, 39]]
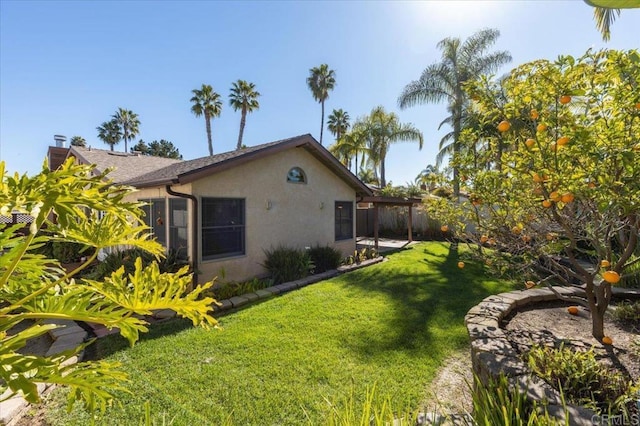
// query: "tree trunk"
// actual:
[[456, 150], [322, 121], [242, 123], [383, 180], [207, 120]]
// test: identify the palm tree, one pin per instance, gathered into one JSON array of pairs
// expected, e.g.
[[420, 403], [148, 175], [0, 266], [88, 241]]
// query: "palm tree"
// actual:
[[320, 81], [384, 129], [243, 97], [78, 141], [338, 123], [109, 133], [129, 124], [206, 102], [444, 81]]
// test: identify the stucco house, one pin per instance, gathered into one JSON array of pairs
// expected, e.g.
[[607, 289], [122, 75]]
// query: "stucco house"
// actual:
[[223, 211]]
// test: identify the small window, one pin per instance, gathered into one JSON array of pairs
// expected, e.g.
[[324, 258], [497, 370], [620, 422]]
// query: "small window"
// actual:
[[296, 175], [344, 220], [154, 218]]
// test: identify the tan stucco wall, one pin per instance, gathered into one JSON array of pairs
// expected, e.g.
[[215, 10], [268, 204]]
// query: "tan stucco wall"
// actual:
[[295, 217]]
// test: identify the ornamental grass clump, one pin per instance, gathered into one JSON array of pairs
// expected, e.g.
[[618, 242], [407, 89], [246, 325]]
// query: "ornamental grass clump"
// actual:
[[287, 264]]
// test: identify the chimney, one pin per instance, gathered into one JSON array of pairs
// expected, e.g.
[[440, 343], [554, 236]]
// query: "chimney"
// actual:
[[61, 141]]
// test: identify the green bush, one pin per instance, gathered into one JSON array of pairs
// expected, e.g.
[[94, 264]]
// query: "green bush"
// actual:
[[361, 255], [66, 252], [498, 403], [628, 312], [631, 275], [233, 288], [127, 258], [287, 264], [583, 379], [324, 258]]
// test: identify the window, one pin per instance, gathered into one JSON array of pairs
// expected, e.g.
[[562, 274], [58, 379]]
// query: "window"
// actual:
[[222, 227], [296, 175], [154, 217], [344, 220], [178, 221]]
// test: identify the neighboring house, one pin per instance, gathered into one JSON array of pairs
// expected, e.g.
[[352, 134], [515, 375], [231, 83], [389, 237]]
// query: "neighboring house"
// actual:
[[124, 166], [224, 211]]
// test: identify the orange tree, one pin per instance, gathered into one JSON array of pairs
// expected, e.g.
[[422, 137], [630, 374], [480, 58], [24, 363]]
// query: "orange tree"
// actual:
[[554, 194]]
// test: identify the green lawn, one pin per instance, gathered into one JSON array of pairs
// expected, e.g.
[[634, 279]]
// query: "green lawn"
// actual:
[[278, 362]]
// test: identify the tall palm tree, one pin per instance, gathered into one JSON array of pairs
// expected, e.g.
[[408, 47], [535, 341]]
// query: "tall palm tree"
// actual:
[[338, 122], [129, 124], [243, 97], [206, 102], [321, 80], [109, 133], [444, 81], [384, 129]]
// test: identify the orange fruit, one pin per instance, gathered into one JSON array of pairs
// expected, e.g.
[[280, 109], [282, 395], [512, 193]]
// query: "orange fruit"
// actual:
[[504, 126], [526, 238], [460, 265], [541, 127], [550, 236], [492, 241], [563, 140], [605, 263], [567, 197], [638, 105], [529, 284], [573, 310], [546, 204], [484, 239], [555, 197], [565, 99], [530, 143], [444, 228], [591, 185], [534, 114], [607, 340], [516, 230], [539, 179], [612, 277]]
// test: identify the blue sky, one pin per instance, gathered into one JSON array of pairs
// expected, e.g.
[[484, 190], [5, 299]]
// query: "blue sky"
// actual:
[[65, 67]]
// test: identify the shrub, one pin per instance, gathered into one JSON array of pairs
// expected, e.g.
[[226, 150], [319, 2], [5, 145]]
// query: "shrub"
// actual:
[[325, 258], [627, 312], [631, 276], [287, 264], [361, 255], [233, 288], [127, 258], [583, 379], [499, 403], [67, 252]]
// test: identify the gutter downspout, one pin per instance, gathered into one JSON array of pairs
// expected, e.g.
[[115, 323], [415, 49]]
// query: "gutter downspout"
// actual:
[[194, 229]]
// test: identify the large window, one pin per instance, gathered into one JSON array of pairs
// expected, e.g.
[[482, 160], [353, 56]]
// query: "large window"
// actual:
[[344, 220], [222, 227]]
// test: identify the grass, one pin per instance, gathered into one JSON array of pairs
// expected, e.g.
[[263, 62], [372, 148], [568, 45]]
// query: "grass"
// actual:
[[286, 360]]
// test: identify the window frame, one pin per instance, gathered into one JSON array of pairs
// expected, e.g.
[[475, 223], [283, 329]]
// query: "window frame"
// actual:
[[240, 228], [302, 173], [340, 220]]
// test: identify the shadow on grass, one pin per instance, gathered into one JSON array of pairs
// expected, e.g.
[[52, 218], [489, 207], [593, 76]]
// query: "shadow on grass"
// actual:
[[429, 294]]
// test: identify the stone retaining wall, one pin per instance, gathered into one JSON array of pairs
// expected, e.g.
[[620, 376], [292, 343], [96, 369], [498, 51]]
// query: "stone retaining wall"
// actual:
[[492, 353]]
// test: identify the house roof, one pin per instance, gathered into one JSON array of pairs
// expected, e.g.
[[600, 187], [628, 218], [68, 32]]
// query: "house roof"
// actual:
[[191, 170], [125, 166]]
